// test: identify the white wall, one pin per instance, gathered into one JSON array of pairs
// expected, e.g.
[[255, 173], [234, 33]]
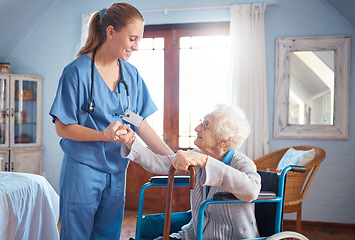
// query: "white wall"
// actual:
[[52, 44]]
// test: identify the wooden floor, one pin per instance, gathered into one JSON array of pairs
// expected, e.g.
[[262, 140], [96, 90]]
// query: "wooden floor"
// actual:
[[129, 225], [323, 231], [313, 231]]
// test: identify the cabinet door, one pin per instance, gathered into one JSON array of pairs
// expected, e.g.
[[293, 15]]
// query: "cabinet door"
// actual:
[[26, 160], [4, 161], [4, 110], [25, 111]]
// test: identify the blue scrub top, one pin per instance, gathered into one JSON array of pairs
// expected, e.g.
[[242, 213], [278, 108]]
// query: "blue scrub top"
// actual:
[[71, 107]]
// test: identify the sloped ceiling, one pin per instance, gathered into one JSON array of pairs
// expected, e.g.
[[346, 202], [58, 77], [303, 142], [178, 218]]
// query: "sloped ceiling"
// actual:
[[312, 74], [345, 8], [18, 19]]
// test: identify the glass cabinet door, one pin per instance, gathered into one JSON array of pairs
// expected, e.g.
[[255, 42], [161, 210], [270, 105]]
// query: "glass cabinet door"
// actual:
[[4, 110], [24, 112]]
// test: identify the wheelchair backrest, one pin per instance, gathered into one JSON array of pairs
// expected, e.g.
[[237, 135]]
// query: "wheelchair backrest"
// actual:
[[265, 213]]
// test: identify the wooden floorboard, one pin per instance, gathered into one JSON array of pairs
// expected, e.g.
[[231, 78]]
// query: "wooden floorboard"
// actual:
[[323, 231], [312, 230], [129, 225]]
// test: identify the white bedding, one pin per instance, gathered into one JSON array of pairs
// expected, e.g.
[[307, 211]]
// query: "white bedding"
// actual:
[[29, 207]]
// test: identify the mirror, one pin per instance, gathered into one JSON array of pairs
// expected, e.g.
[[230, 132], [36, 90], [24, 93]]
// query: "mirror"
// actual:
[[312, 87], [311, 93]]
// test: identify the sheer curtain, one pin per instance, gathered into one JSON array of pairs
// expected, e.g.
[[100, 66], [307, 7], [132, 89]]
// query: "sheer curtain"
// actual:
[[248, 73]]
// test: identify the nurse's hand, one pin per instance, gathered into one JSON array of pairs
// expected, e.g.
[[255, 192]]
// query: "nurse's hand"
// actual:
[[115, 130]]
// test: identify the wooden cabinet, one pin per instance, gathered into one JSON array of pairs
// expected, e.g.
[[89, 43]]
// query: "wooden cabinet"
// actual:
[[20, 123]]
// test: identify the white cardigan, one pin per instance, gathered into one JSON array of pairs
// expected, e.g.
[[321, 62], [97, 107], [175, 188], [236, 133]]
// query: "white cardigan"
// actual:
[[222, 221]]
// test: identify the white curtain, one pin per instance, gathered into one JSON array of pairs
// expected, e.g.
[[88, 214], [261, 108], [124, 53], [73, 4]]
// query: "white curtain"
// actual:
[[248, 73]]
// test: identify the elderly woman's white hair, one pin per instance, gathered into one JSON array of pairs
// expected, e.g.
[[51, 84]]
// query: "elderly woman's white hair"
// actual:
[[231, 122]]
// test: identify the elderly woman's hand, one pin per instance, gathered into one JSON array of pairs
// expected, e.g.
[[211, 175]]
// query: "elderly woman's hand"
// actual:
[[113, 130], [127, 138], [183, 160]]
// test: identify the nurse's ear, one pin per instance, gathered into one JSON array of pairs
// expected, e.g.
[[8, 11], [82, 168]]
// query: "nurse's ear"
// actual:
[[110, 32]]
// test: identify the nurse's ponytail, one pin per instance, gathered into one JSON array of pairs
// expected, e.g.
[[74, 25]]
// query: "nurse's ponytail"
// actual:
[[95, 36], [118, 16]]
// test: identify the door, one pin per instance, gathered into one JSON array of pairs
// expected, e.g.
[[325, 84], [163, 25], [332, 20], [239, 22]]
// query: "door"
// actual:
[[25, 112], [4, 110], [4, 161], [26, 160]]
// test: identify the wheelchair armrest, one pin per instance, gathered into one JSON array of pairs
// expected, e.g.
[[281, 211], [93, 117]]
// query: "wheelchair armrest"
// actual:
[[266, 195], [263, 195], [164, 179], [297, 168], [224, 196]]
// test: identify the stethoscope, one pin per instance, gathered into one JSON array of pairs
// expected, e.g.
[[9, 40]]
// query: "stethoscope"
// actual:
[[91, 104]]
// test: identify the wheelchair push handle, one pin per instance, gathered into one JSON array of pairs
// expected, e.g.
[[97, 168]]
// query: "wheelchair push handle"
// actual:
[[169, 197]]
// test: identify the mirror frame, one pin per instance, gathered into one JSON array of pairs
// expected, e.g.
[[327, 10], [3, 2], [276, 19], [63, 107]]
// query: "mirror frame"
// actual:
[[341, 47]]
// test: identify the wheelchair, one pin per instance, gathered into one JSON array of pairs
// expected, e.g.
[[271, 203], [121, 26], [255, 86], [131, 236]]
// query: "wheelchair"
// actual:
[[268, 207]]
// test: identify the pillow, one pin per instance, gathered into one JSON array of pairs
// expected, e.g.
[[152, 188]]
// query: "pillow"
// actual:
[[152, 226], [296, 157]]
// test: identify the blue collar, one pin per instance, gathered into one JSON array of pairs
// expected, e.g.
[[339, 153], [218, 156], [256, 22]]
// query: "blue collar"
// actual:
[[228, 157]]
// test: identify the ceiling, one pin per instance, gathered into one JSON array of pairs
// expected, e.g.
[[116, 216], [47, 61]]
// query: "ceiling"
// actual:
[[344, 8], [19, 18], [312, 74]]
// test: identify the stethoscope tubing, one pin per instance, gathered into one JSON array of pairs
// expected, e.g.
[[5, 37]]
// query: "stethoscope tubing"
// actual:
[[91, 104]]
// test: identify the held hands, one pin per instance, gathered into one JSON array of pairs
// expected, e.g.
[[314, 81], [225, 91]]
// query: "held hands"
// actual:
[[183, 160], [119, 133]]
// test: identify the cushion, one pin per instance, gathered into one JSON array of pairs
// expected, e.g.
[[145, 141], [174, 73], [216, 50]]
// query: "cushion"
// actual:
[[296, 157], [152, 226]]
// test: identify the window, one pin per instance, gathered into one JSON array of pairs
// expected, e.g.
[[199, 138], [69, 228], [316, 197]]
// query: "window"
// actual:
[[185, 68], [150, 63]]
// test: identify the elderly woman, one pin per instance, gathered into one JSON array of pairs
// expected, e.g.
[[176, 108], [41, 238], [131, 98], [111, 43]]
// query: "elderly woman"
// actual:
[[219, 167]]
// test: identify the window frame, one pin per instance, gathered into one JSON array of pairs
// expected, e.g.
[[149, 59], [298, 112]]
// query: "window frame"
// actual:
[[172, 34]]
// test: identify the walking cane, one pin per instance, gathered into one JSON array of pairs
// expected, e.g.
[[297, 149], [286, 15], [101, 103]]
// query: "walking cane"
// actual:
[[169, 197]]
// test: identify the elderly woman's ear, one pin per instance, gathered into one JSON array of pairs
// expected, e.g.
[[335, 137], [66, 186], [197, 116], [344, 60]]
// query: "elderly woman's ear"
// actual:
[[225, 143]]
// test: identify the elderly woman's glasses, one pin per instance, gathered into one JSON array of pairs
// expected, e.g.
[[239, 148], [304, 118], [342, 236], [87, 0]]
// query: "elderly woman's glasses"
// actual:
[[204, 125]]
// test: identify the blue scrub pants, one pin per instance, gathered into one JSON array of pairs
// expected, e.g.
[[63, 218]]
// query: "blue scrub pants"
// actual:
[[91, 202]]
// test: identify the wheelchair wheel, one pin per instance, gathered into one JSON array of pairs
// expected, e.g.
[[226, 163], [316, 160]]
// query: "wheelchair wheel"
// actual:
[[287, 235]]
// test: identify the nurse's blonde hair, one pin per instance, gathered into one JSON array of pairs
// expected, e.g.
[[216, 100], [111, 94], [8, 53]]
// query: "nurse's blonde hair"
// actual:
[[230, 122], [117, 16]]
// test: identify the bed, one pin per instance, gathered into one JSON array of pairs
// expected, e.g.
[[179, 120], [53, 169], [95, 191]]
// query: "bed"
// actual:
[[29, 207]]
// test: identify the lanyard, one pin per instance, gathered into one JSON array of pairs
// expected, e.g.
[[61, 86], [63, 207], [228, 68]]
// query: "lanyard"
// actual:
[[120, 80], [226, 160]]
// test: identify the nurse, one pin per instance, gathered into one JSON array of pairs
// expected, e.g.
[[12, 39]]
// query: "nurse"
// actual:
[[97, 92]]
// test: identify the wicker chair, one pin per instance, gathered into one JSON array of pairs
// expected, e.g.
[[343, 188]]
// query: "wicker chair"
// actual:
[[297, 184]]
